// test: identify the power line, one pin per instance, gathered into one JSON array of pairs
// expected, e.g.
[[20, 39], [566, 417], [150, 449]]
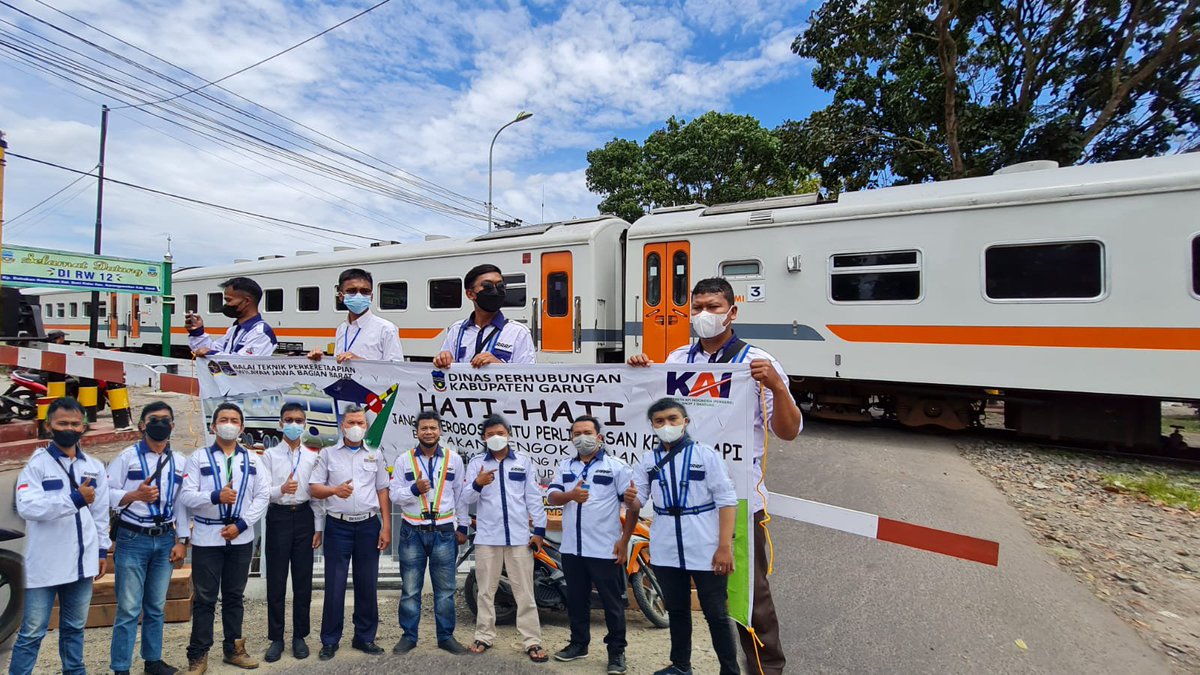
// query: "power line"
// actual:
[[13, 220], [193, 200], [259, 63]]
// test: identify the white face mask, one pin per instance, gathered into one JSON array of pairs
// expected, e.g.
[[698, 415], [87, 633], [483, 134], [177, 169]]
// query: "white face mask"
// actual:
[[354, 434], [709, 325], [228, 432], [497, 443], [586, 445], [669, 433]]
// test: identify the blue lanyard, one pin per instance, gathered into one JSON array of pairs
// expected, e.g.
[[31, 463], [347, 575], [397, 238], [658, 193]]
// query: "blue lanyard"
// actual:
[[296, 464], [675, 496], [487, 346], [738, 359], [346, 337], [583, 472], [235, 510], [142, 450]]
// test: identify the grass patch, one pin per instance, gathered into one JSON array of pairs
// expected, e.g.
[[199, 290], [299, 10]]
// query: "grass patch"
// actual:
[[1158, 487], [1191, 425]]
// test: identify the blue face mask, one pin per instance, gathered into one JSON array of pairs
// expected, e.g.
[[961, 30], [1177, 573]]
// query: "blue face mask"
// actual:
[[357, 303], [293, 431]]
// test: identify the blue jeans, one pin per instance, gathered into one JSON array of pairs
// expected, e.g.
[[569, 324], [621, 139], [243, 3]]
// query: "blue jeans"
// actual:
[[73, 600], [440, 551], [143, 575]]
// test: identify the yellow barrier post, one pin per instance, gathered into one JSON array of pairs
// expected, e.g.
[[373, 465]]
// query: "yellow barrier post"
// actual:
[[118, 400], [43, 404], [89, 398]]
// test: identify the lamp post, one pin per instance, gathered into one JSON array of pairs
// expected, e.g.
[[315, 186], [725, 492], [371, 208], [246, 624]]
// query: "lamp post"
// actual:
[[521, 117]]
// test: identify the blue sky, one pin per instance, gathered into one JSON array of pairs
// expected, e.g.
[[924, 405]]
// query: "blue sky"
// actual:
[[421, 85]]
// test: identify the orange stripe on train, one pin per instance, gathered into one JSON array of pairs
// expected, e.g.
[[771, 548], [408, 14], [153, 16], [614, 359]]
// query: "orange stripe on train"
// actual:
[[406, 333], [1187, 339]]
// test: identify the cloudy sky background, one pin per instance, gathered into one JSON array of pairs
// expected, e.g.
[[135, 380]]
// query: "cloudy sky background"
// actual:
[[421, 85]]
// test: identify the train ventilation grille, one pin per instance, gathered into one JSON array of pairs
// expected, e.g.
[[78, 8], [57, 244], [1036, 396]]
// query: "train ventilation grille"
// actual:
[[761, 218]]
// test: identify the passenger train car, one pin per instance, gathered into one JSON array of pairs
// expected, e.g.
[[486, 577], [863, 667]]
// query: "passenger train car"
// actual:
[[1071, 294]]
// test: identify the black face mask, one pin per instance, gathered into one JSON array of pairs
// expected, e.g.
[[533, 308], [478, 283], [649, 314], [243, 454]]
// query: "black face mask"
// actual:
[[230, 311], [66, 438], [491, 297], [158, 429]]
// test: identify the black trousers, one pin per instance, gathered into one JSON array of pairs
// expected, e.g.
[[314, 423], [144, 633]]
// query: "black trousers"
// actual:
[[288, 544], [217, 570], [609, 579], [711, 590], [348, 544]]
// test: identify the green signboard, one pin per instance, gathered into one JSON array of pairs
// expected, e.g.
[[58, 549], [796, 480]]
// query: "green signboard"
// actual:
[[28, 267]]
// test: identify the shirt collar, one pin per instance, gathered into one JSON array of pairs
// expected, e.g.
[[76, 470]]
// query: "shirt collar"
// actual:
[[697, 348], [596, 457], [498, 321], [55, 452], [143, 448], [216, 449], [353, 448], [257, 318], [681, 443], [364, 317], [436, 453]]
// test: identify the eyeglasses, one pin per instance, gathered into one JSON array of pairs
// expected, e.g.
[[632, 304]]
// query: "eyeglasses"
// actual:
[[489, 287]]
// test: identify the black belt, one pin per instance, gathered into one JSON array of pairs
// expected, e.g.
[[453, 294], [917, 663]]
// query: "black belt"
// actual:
[[444, 527], [291, 508], [156, 531]]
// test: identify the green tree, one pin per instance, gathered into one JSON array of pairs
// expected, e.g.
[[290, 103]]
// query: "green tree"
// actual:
[[715, 158], [937, 89]]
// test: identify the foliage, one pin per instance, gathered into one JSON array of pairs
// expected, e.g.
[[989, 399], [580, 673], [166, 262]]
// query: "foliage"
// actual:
[[1158, 487]]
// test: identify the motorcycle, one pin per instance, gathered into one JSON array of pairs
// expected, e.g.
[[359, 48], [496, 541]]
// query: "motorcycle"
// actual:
[[550, 584], [12, 586], [20, 399]]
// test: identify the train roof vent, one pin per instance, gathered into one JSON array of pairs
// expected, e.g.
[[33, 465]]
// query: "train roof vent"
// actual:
[[1024, 167], [390, 242], [767, 204], [761, 218], [435, 237], [306, 252], [677, 209], [343, 248], [242, 260], [269, 257], [522, 231]]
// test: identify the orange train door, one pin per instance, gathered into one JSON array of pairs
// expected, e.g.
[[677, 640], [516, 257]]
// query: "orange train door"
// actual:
[[135, 318], [558, 312], [666, 305], [113, 317]]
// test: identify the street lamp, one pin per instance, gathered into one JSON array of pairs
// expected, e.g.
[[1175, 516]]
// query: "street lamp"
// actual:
[[521, 117]]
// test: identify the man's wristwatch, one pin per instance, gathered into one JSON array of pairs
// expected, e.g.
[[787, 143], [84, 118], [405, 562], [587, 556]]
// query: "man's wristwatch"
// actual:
[[183, 540]]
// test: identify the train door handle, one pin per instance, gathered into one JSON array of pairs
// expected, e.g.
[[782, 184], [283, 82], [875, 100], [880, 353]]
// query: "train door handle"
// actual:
[[659, 320], [672, 320]]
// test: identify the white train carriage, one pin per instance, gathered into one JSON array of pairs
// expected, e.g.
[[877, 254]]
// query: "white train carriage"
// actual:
[[563, 282], [1071, 293]]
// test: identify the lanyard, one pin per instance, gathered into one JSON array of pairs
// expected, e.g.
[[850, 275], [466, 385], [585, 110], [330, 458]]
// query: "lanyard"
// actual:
[[155, 510], [482, 343], [346, 337], [295, 464], [716, 356], [675, 494], [583, 473], [228, 512], [441, 485], [70, 476]]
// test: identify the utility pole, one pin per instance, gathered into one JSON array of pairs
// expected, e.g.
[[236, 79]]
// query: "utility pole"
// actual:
[[3, 148], [94, 325]]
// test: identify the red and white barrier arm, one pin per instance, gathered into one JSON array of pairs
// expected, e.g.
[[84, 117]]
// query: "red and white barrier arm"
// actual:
[[164, 374], [885, 529]]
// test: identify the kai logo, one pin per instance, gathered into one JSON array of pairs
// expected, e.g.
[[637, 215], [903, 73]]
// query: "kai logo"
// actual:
[[698, 385]]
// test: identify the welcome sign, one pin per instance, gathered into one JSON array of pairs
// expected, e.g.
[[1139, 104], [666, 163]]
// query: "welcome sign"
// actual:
[[28, 267]]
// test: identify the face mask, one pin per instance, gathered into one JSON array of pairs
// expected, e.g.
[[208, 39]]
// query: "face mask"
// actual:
[[497, 443], [669, 433], [158, 429], [230, 311], [293, 431], [586, 445], [709, 325], [490, 300], [228, 432], [356, 302], [355, 434], [65, 438]]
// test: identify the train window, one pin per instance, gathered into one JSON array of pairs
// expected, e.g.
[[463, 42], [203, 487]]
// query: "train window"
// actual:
[[393, 295], [191, 303], [1055, 271], [103, 308], [653, 280], [308, 299], [274, 298], [679, 278], [445, 293], [558, 291], [62, 310], [741, 268], [1196, 265], [886, 276], [215, 302], [74, 310], [515, 293], [50, 310]]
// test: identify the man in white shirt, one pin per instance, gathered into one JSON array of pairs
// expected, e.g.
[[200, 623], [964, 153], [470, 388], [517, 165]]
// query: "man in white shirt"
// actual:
[[352, 479], [504, 484], [248, 336], [713, 316], [363, 335], [485, 336], [63, 496], [691, 537], [144, 485], [590, 487], [226, 492], [427, 486], [294, 526]]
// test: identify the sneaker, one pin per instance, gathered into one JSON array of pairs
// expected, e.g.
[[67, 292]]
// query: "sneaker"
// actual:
[[404, 646], [327, 652], [239, 657], [274, 652], [616, 664], [572, 652], [198, 665], [454, 647], [299, 649], [159, 667]]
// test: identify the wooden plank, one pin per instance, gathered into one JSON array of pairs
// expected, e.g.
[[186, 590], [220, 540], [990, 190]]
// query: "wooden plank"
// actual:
[[104, 592], [103, 616]]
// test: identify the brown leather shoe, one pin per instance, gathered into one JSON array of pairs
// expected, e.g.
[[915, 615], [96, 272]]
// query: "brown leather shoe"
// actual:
[[239, 657], [198, 665]]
